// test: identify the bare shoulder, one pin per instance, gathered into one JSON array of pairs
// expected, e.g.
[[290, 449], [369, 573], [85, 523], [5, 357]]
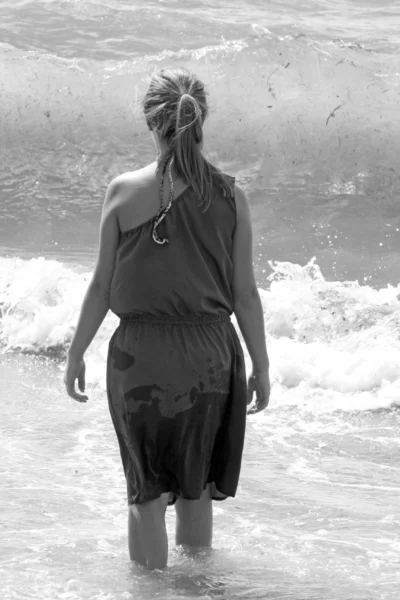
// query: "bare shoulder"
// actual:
[[242, 204], [124, 187], [240, 195], [129, 197]]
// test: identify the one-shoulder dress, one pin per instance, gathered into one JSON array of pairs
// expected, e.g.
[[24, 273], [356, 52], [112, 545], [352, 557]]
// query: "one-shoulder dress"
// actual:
[[176, 381]]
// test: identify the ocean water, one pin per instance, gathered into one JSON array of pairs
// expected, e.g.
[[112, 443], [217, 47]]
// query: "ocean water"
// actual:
[[305, 113]]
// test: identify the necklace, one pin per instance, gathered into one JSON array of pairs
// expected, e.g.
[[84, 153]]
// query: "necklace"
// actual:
[[162, 213]]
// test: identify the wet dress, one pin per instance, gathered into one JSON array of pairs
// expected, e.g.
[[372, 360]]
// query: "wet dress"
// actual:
[[176, 380]]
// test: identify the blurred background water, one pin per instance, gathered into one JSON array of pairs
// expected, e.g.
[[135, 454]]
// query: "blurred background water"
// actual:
[[304, 112]]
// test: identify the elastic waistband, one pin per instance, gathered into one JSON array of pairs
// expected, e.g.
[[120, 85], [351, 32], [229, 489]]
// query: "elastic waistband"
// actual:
[[169, 320]]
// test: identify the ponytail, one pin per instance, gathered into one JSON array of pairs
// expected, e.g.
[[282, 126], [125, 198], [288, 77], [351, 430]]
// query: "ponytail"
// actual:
[[176, 105]]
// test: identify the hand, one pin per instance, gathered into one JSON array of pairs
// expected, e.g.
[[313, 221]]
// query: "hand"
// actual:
[[260, 384], [75, 369]]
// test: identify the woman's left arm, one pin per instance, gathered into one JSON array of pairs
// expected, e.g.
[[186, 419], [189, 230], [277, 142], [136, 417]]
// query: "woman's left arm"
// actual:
[[96, 302]]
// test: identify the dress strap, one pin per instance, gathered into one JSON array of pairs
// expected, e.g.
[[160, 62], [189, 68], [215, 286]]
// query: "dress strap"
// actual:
[[162, 213]]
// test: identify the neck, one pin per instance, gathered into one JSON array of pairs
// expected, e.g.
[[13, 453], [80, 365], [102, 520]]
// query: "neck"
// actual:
[[164, 160], [160, 143], [162, 147]]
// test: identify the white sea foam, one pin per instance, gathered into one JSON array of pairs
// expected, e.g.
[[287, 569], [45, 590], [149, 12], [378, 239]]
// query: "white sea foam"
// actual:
[[333, 345]]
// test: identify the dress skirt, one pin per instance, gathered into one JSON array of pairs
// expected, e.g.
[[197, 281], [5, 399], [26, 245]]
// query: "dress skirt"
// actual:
[[177, 398]]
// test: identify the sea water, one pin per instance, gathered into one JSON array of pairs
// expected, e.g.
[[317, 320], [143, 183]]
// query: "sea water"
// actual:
[[304, 103]]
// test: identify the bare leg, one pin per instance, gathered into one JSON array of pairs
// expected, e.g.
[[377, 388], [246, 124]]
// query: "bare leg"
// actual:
[[194, 521], [147, 535]]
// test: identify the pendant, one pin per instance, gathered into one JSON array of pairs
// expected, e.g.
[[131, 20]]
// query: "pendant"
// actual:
[[154, 233]]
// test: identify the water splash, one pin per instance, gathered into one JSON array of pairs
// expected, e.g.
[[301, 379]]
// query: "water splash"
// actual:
[[335, 337]]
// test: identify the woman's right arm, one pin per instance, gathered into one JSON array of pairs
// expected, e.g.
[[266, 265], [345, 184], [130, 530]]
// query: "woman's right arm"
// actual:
[[247, 304], [96, 302]]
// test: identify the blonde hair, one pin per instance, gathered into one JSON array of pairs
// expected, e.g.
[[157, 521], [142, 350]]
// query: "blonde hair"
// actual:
[[176, 105]]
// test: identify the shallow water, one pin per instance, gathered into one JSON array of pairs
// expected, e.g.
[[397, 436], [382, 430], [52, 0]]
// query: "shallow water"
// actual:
[[317, 508], [317, 514]]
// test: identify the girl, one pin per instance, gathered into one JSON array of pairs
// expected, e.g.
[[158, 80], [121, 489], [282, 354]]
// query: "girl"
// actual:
[[174, 262]]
